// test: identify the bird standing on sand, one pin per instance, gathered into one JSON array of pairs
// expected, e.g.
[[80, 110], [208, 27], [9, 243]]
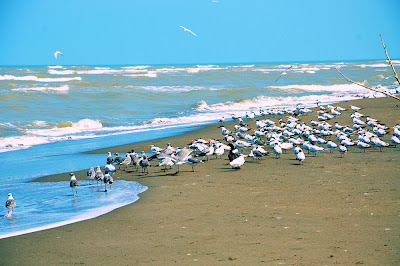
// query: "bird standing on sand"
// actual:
[[300, 156], [91, 174], [74, 184], [238, 162], [110, 159], [193, 161], [342, 150], [127, 161], [109, 168], [99, 175], [185, 29], [10, 204], [395, 140], [144, 163]]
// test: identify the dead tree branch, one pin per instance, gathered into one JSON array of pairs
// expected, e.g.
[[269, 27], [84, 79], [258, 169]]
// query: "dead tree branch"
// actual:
[[362, 85], [394, 71]]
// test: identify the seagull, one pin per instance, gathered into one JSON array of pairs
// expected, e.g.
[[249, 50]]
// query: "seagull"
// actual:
[[144, 163], [99, 175], [109, 168], [185, 29], [107, 180], [127, 161], [90, 174], [74, 184], [110, 159], [10, 204], [57, 53], [193, 161], [283, 73]]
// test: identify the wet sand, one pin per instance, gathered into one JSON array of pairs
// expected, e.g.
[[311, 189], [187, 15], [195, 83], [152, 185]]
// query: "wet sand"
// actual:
[[330, 210]]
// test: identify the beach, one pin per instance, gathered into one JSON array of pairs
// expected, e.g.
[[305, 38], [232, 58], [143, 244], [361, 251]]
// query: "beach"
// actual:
[[329, 210]]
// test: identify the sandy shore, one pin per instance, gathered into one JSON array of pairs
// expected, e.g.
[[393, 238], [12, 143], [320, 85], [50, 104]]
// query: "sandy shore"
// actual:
[[330, 210]]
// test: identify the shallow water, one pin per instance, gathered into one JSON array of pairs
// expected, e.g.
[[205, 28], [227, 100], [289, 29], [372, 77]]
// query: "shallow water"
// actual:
[[51, 204]]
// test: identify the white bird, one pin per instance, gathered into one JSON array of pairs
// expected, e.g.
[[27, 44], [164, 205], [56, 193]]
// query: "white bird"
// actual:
[[74, 184], [239, 161], [107, 180], [355, 108], [90, 174], [185, 29], [315, 149], [342, 150], [300, 156], [109, 168], [362, 145], [57, 53], [99, 175], [277, 150], [127, 161], [331, 145], [10, 204], [395, 140]]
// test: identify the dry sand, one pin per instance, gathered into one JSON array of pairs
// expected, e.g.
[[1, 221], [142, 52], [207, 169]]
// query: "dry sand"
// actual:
[[330, 210]]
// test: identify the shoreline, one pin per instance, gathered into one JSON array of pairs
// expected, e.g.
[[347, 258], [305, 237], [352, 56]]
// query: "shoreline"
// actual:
[[329, 210]]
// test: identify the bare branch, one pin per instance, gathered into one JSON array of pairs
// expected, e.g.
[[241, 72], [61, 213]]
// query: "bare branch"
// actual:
[[394, 71], [362, 85]]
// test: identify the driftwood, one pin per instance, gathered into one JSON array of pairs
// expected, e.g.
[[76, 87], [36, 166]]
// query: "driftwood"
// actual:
[[362, 85], [390, 62], [283, 73]]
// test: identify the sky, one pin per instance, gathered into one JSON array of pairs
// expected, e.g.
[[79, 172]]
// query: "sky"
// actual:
[[228, 31]]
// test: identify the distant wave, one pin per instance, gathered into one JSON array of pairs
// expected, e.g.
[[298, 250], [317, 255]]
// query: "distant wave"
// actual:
[[63, 88], [34, 78], [345, 88]]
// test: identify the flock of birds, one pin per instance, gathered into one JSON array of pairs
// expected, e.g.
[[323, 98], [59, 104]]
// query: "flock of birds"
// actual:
[[243, 142]]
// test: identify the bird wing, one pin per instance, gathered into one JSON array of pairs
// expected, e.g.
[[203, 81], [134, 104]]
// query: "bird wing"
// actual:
[[284, 72], [188, 30], [183, 154]]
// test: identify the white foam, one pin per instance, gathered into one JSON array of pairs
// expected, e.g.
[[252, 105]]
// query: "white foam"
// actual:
[[55, 67], [135, 67], [374, 65], [68, 128], [34, 78], [99, 71], [63, 88], [345, 88], [149, 75], [61, 72]]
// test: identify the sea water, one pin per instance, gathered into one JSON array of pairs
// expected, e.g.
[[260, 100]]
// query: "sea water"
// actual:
[[51, 115]]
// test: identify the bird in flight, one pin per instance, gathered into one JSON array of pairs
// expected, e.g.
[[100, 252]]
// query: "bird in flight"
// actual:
[[283, 73], [185, 29], [56, 53]]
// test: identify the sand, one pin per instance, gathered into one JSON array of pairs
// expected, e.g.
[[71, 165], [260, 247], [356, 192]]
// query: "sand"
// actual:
[[330, 210]]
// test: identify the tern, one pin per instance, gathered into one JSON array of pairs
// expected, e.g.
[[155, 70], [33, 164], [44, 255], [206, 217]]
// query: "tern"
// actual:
[[57, 53], [185, 29]]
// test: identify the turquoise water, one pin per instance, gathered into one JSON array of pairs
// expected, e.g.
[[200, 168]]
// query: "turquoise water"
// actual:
[[50, 115]]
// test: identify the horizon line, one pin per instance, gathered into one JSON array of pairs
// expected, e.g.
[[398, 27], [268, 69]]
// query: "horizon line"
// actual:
[[214, 63]]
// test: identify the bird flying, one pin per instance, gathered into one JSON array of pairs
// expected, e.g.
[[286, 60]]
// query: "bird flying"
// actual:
[[56, 53], [283, 73], [185, 29]]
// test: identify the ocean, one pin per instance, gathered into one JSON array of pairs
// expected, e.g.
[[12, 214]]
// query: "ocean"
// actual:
[[51, 115]]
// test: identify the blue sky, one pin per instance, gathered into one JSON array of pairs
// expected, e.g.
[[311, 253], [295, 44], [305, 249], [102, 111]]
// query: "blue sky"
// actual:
[[228, 31]]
